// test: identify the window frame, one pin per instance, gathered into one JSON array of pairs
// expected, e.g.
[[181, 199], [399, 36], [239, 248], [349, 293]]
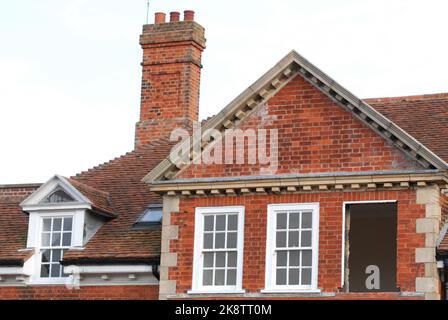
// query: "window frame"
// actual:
[[41, 248], [270, 271], [197, 284]]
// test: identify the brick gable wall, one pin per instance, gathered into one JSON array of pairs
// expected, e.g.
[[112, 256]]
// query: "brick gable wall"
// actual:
[[315, 135]]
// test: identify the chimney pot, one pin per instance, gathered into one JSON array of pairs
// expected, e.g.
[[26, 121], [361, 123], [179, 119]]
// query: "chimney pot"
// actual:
[[188, 15], [159, 17], [174, 16]]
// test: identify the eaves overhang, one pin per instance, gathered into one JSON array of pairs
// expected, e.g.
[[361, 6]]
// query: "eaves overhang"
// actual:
[[288, 183]]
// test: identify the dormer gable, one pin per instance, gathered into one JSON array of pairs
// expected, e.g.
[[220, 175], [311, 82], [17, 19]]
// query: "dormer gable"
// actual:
[[55, 194]]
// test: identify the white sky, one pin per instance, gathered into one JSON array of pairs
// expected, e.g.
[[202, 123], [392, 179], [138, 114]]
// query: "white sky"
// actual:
[[70, 70]]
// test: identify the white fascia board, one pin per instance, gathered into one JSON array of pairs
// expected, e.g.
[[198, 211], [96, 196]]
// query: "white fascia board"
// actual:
[[13, 271], [58, 207], [73, 269]]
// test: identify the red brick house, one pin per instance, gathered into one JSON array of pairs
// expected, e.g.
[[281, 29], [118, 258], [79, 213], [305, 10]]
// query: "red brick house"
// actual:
[[297, 189]]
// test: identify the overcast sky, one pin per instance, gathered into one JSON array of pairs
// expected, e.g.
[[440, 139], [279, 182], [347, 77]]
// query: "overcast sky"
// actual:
[[70, 70]]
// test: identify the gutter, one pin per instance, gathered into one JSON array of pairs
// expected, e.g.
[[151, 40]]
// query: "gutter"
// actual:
[[110, 261], [11, 263]]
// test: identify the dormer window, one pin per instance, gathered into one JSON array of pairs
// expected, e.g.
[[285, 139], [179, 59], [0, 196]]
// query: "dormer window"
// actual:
[[58, 196]]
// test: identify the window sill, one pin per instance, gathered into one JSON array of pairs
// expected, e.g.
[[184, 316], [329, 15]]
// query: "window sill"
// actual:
[[217, 292], [304, 291], [48, 282]]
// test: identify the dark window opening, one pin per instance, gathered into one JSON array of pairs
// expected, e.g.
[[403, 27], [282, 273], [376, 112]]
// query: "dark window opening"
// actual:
[[371, 247]]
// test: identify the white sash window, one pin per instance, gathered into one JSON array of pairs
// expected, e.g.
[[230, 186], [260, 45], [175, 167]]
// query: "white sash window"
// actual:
[[291, 249]]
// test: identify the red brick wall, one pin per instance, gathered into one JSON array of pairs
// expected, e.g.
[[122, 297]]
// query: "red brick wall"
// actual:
[[85, 293], [315, 135], [17, 190], [330, 236]]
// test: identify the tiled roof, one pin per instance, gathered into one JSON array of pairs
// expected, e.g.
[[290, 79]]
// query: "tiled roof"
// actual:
[[425, 117], [443, 246], [13, 224], [120, 179], [115, 189], [100, 200]]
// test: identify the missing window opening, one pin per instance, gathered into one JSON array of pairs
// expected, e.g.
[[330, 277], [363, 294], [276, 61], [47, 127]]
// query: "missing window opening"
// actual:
[[370, 257]]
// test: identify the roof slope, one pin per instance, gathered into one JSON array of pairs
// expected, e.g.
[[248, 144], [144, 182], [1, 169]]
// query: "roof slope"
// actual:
[[425, 117], [120, 181], [100, 200], [13, 224]]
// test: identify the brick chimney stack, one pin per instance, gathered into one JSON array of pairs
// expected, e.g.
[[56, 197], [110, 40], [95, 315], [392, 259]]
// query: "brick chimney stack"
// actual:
[[171, 76]]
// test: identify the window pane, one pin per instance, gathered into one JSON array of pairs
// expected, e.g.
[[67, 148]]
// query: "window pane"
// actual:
[[231, 277], [306, 276], [306, 258], [208, 241], [68, 224], [46, 239], [293, 276], [55, 270], [207, 278], [294, 258], [220, 240], [209, 223], [231, 240], [221, 223], [294, 220], [45, 270], [208, 260], [232, 222], [293, 239], [231, 259], [56, 255], [56, 240], [220, 259], [306, 220], [281, 220], [281, 239], [281, 277], [46, 225], [306, 238], [46, 256], [67, 239], [219, 277], [57, 224], [282, 258]]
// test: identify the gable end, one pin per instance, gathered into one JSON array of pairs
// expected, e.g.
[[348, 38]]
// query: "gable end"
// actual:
[[272, 82]]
